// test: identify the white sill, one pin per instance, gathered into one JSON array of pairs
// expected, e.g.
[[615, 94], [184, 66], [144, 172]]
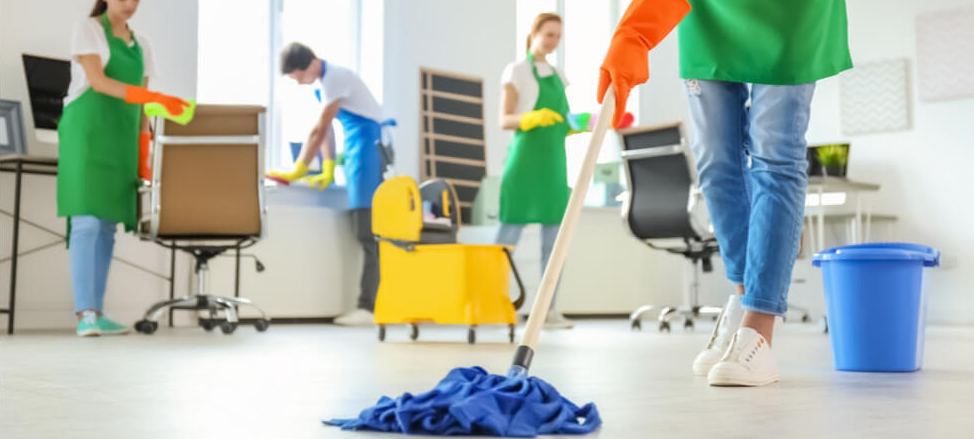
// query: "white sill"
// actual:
[[333, 197]]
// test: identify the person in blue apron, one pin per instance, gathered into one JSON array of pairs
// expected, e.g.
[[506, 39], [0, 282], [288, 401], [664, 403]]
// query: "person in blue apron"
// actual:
[[345, 97], [99, 137]]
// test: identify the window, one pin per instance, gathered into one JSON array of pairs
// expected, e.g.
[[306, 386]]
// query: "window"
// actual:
[[588, 27], [238, 59], [587, 31], [372, 19], [526, 11], [233, 58], [326, 27]]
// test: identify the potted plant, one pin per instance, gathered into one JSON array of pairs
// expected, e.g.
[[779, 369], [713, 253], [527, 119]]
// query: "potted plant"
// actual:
[[834, 159]]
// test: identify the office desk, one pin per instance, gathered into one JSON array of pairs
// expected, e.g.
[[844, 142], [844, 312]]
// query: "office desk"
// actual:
[[822, 185], [20, 165]]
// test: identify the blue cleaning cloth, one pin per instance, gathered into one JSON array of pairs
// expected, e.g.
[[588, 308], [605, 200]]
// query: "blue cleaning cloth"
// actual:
[[469, 401]]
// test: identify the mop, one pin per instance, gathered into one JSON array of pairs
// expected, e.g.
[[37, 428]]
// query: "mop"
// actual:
[[470, 401]]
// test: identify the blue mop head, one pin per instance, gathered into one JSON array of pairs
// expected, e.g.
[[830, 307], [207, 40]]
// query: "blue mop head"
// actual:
[[469, 401]]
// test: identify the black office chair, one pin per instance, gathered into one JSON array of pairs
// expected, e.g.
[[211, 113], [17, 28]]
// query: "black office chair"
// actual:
[[665, 203]]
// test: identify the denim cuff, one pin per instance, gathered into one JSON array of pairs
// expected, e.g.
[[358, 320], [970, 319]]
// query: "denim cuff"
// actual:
[[763, 306]]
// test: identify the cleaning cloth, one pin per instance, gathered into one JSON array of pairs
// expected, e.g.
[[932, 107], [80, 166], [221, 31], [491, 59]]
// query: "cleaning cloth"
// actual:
[[155, 109]]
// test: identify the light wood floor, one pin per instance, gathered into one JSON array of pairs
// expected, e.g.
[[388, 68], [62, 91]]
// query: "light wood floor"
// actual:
[[186, 383]]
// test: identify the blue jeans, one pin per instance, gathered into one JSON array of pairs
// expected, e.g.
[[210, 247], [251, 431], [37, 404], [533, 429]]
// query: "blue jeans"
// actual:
[[752, 170], [90, 253], [510, 234]]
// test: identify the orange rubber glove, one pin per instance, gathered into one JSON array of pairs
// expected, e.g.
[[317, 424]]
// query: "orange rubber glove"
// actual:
[[139, 95], [145, 165], [626, 64]]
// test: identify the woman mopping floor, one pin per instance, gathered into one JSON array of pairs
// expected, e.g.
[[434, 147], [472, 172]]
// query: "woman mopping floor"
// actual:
[[751, 159]]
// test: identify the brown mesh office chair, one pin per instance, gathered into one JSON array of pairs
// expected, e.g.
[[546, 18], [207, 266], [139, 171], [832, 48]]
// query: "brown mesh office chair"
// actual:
[[206, 197]]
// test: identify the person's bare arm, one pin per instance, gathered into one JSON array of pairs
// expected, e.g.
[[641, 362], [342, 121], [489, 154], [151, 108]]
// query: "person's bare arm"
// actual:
[[510, 119], [319, 134], [328, 148], [96, 77]]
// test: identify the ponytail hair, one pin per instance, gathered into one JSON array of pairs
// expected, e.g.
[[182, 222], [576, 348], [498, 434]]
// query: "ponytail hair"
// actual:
[[539, 21], [100, 7]]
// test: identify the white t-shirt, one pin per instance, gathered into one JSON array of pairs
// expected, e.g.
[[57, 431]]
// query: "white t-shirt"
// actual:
[[520, 75], [89, 39], [341, 83]]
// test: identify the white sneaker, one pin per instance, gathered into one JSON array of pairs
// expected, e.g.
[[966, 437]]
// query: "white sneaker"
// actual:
[[358, 317], [728, 322], [557, 320], [748, 362]]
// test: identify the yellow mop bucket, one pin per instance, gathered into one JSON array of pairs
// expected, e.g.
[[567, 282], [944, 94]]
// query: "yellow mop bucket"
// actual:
[[425, 276]]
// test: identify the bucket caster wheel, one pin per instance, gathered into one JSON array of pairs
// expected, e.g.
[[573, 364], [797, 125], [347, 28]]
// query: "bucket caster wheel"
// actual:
[[382, 332], [262, 324], [413, 332], [207, 324], [228, 327], [664, 326], [471, 335], [636, 325], [806, 318], [146, 326], [688, 325], [510, 333]]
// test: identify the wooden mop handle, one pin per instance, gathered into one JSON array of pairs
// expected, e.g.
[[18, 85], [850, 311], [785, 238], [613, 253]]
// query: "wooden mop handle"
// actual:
[[546, 291]]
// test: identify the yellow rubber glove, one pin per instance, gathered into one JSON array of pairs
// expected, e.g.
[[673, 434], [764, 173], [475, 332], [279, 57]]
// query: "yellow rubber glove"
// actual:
[[300, 168], [539, 118], [323, 180]]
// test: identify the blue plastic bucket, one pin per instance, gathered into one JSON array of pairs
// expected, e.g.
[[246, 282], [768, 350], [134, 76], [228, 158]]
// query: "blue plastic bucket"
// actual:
[[876, 304]]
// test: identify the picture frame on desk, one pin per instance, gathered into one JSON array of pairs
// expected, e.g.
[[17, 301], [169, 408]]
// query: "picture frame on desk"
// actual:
[[12, 138]]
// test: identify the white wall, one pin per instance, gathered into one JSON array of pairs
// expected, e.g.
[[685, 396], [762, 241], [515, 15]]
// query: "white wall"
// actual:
[[465, 36], [924, 171], [312, 260], [43, 27]]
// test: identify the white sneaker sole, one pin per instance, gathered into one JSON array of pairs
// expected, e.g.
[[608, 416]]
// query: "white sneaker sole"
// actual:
[[702, 369], [726, 378], [88, 333], [116, 332]]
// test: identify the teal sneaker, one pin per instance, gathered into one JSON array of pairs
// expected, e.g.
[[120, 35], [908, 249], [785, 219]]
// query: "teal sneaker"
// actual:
[[88, 326], [108, 327]]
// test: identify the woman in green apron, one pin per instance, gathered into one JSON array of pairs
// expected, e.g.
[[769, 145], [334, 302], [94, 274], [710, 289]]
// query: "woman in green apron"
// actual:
[[534, 186], [99, 136], [751, 159]]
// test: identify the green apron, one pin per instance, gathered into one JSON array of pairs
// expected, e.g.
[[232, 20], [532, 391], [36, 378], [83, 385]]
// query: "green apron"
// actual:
[[98, 139], [534, 187], [782, 42]]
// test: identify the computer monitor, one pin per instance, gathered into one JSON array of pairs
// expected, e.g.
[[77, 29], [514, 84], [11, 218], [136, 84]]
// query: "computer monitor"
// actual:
[[47, 85]]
